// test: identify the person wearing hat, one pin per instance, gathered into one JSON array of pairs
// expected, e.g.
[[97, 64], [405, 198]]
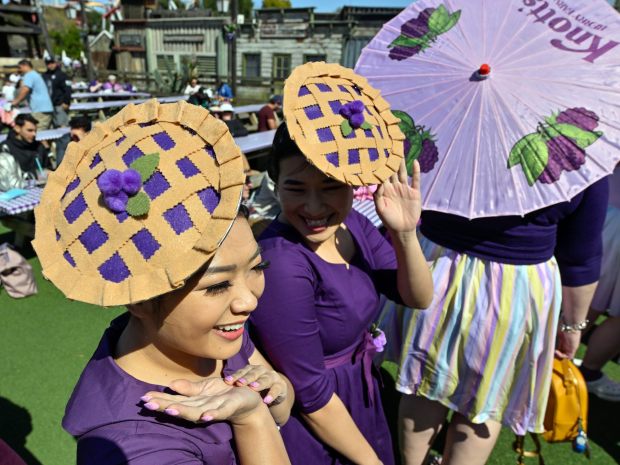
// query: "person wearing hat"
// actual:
[[111, 85], [329, 263], [236, 127], [144, 212], [267, 114], [59, 91]]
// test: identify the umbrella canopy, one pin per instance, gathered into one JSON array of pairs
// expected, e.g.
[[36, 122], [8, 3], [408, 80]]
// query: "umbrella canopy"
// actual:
[[509, 105]]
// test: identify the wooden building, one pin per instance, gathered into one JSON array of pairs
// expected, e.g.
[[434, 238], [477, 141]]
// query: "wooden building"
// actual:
[[19, 31], [278, 40]]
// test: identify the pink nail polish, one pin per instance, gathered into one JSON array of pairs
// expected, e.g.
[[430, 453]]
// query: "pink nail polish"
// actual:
[[268, 399], [146, 398], [242, 380], [228, 378], [206, 418], [151, 405], [254, 384], [172, 411]]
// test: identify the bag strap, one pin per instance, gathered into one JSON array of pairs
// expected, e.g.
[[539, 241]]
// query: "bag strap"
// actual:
[[519, 447]]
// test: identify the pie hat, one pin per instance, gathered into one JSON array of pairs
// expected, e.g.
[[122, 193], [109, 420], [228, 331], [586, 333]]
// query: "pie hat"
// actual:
[[342, 124], [139, 204]]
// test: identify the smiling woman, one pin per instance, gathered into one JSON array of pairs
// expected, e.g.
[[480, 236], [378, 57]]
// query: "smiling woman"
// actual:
[[329, 264], [149, 218]]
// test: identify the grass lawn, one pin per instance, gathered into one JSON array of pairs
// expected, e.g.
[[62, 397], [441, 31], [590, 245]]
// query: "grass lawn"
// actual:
[[45, 341]]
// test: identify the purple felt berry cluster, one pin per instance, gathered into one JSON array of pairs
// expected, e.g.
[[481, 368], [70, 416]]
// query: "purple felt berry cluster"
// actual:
[[117, 187], [354, 112]]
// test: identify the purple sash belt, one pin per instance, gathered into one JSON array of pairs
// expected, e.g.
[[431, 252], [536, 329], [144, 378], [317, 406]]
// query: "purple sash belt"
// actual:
[[364, 351]]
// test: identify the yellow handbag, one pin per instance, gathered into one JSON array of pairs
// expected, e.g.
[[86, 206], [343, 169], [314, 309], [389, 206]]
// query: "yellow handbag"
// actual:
[[567, 408], [566, 418]]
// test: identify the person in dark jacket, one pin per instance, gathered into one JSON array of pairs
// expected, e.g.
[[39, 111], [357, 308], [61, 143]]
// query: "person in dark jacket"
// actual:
[[60, 93], [22, 144]]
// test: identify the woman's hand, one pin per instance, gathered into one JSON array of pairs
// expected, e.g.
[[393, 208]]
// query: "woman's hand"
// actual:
[[567, 344], [207, 400], [259, 378], [398, 204]]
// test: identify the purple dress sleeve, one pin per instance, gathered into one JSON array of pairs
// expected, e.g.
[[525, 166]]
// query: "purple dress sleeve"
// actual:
[[288, 330], [579, 247]]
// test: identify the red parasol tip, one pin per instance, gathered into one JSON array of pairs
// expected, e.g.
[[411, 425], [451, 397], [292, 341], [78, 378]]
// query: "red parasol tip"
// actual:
[[484, 70]]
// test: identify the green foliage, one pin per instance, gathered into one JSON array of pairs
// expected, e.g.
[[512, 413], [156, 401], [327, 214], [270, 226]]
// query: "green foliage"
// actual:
[[67, 39], [277, 4], [94, 22]]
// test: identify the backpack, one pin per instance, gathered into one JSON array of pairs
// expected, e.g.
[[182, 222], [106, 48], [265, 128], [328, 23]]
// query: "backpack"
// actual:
[[11, 175], [16, 274]]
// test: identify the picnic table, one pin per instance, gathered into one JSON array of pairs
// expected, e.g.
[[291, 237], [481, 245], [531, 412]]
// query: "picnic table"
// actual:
[[253, 108], [16, 214], [256, 141], [101, 95], [100, 106]]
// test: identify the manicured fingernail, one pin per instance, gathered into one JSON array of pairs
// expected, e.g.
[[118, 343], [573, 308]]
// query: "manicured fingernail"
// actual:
[[254, 384], [172, 411], [146, 398], [268, 399], [206, 418], [228, 378], [242, 380], [151, 405]]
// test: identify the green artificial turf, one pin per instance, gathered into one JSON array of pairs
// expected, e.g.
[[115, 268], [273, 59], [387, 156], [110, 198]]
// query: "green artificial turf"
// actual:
[[46, 340]]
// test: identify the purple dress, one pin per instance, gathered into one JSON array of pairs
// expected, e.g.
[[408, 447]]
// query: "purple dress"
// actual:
[[312, 322], [106, 417]]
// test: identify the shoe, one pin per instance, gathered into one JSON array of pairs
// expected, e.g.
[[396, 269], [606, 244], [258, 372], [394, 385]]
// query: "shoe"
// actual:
[[605, 388]]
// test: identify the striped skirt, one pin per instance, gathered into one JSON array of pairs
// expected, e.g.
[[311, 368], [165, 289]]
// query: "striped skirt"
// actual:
[[485, 346]]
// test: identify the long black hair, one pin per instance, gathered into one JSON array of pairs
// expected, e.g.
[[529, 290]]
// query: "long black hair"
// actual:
[[283, 147]]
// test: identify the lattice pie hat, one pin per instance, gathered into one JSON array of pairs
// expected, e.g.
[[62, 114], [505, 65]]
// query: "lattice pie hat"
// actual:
[[139, 205], [342, 124]]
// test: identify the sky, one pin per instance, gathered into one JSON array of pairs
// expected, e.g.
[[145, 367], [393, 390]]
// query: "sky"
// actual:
[[333, 5]]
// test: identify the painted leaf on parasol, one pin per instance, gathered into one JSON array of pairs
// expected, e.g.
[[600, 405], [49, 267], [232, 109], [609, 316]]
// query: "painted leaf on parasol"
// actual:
[[515, 104]]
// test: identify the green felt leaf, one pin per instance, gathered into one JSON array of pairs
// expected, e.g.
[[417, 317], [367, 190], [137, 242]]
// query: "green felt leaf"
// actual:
[[415, 139], [346, 128], [551, 119], [582, 138], [406, 41], [366, 125], [442, 21], [146, 165], [532, 153], [406, 121], [138, 205]]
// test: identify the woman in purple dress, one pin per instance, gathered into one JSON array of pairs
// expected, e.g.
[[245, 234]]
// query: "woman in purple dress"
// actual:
[[328, 266], [162, 235]]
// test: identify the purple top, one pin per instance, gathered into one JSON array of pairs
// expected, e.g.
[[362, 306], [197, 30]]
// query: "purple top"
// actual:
[[106, 417], [333, 305], [571, 231], [312, 322]]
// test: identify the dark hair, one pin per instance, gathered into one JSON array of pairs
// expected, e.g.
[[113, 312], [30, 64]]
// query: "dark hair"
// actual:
[[24, 62], [81, 122], [21, 119], [283, 147]]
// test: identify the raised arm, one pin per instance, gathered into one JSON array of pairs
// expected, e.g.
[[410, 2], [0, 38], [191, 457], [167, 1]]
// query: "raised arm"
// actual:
[[399, 206]]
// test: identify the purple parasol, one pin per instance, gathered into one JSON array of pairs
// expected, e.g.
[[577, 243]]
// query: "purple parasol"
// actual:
[[509, 105]]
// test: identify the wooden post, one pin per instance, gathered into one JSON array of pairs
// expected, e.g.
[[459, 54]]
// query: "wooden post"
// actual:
[[84, 33], [234, 12]]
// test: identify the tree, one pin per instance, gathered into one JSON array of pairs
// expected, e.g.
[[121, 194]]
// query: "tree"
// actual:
[[68, 40], [276, 3]]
